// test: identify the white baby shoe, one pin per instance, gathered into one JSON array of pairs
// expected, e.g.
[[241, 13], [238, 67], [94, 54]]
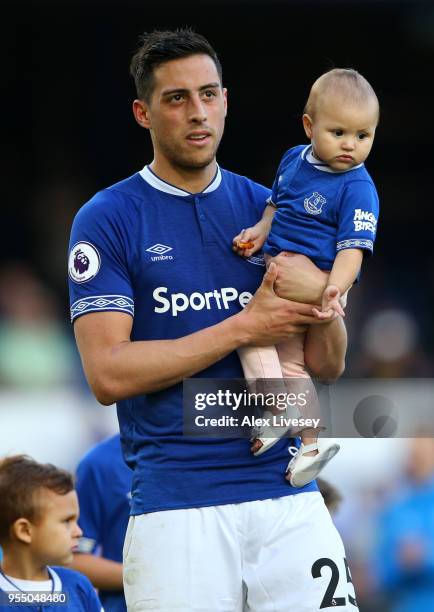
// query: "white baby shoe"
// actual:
[[304, 469], [268, 435]]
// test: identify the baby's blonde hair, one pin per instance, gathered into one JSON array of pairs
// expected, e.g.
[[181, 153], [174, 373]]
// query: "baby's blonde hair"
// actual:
[[347, 83]]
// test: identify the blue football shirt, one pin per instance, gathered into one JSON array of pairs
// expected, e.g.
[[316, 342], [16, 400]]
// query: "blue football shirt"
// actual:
[[163, 256], [321, 211], [80, 594], [104, 490]]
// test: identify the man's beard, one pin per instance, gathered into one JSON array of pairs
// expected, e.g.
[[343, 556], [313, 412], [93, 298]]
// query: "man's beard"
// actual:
[[181, 159]]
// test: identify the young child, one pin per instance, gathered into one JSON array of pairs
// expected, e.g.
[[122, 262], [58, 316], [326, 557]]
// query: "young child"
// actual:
[[38, 530], [323, 205]]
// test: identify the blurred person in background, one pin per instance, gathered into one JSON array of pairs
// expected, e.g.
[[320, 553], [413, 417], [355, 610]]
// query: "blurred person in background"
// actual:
[[35, 350], [404, 555], [331, 495], [104, 493], [43, 393], [390, 346]]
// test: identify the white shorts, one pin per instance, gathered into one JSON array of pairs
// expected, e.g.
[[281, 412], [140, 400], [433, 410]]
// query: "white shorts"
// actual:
[[276, 555]]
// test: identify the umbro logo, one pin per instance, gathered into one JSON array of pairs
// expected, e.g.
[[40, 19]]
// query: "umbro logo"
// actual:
[[256, 260], [159, 249]]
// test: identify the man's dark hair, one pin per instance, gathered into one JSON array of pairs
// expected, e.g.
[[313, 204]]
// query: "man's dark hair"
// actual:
[[22, 481], [158, 47]]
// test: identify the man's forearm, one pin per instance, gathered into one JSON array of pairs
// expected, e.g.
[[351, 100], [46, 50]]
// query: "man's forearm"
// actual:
[[103, 573], [325, 349], [117, 368]]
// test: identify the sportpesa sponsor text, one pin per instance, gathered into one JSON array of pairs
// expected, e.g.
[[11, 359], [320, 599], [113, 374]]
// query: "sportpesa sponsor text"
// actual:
[[179, 302]]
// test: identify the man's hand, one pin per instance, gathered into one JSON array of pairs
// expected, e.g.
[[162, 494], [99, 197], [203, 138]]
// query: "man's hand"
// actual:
[[330, 304], [299, 279], [269, 319]]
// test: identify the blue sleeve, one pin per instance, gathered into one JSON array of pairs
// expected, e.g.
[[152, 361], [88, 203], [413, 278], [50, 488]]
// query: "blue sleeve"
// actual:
[[275, 188], [90, 498], [97, 264], [357, 217], [262, 196], [90, 599]]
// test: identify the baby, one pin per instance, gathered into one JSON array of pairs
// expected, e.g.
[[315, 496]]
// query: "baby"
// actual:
[[324, 205]]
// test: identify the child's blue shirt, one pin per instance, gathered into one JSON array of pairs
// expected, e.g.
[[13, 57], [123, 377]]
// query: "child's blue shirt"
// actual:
[[76, 588], [321, 211]]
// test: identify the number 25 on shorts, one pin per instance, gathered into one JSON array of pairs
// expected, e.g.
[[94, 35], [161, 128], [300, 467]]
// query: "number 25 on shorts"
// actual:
[[329, 600]]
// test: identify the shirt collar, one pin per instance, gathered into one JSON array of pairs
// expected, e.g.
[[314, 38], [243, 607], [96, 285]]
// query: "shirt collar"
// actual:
[[307, 155], [57, 583], [10, 585], [155, 181]]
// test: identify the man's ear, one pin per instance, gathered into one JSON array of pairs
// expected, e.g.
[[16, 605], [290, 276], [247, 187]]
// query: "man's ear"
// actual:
[[141, 114], [225, 99], [22, 530], [307, 124]]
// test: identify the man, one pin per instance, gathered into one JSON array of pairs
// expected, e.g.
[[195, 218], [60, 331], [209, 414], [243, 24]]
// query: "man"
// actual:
[[157, 296]]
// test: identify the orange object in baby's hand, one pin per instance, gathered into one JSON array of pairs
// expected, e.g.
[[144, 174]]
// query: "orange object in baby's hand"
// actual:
[[245, 245]]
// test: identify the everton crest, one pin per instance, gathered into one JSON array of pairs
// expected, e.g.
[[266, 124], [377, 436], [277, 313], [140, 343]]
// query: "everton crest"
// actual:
[[313, 205]]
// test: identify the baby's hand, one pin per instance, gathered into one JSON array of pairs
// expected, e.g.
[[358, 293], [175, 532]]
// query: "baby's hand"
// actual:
[[330, 307], [249, 240]]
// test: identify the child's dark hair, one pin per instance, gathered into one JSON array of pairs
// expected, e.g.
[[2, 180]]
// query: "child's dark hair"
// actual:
[[21, 481], [158, 47]]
